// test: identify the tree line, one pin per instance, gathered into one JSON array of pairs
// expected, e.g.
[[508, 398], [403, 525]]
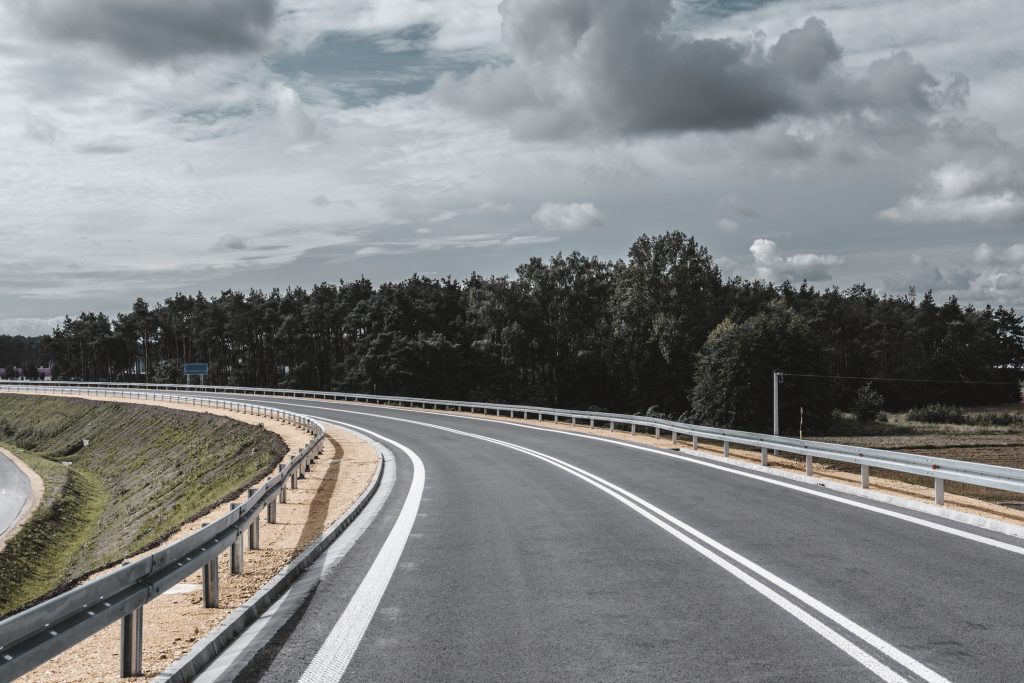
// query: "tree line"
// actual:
[[659, 332]]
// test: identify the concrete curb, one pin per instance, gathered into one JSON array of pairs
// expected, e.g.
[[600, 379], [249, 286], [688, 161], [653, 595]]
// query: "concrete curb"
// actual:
[[969, 518], [216, 641]]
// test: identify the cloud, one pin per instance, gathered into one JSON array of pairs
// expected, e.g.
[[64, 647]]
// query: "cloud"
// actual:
[[298, 125], [964, 191], [232, 243], [29, 327], [924, 275], [484, 207], [1013, 255], [728, 225], [41, 128], [153, 30], [568, 216], [1001, 276], [622, 68], [772, 265]]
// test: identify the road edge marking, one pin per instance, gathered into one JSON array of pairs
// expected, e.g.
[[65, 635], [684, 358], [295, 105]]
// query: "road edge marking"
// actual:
[[336, 652]]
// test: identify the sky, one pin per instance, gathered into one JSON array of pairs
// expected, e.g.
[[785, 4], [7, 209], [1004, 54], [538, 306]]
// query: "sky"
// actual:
[[149, 147]]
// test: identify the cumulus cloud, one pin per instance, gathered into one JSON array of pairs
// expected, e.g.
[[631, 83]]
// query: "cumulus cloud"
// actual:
[[1013, 255], [1001, 276], [568, 216], [965, 191], [152, 30], [586, 65], [772, 265]]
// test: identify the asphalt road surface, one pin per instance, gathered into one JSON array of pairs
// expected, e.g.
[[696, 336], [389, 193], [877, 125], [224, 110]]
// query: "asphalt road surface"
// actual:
[[15, 489], [511, 553]]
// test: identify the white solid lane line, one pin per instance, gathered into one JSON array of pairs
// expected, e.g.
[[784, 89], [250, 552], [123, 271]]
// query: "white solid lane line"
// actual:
[[332, 659], [680, 531]]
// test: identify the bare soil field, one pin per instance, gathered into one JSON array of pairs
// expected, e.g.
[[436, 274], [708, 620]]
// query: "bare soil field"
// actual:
[[1002, 446]]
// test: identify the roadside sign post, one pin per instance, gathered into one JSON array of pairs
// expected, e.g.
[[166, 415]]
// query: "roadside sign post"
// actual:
[[200, 370]]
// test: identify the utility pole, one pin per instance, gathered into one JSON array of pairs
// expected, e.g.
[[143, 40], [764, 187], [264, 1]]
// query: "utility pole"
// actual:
[[776, 381]]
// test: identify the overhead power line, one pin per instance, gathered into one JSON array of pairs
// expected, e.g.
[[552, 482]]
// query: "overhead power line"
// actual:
[[896, 379]]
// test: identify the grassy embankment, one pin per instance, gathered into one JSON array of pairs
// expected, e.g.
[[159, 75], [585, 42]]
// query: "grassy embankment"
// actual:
[[145, 472]]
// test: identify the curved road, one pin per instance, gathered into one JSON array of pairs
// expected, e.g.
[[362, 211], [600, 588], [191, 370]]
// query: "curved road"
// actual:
[[508, 552], [15, 490]]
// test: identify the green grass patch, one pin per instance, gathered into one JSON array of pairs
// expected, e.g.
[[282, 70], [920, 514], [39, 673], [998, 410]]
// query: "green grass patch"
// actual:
[[145, 471]]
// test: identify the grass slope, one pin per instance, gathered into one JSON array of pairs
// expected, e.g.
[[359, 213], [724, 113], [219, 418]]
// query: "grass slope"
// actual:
[[145, 472]]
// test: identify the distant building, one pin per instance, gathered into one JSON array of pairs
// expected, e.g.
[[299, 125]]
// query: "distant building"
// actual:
[[45, 374]]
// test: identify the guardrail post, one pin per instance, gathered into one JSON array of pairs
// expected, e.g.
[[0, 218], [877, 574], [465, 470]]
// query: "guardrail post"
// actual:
[[254, 528], [940, 492], [237, 558], [211, 583], [809, 465], [696, 443], [657, 432], [284, 489], [675, 435], [131, 643], [573, 420], [272, 511], [611, 425], [764, 456], [632, 428], [294, 480], [725, 449], [865, 476], [591, 423]]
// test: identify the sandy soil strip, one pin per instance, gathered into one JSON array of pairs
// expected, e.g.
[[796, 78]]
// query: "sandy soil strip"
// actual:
[[34, 498], [177, 619]]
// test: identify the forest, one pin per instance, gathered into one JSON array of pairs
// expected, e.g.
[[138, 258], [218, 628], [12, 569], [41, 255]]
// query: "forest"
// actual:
[[659, 332]]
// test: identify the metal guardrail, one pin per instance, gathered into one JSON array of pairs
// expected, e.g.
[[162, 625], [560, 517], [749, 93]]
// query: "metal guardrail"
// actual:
[[31, 637], [939, 469]]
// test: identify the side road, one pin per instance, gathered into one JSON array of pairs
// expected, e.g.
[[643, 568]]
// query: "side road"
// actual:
[[21, 491]]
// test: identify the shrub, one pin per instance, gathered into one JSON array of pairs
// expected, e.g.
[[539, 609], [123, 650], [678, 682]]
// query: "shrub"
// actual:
[[997, 419], [867, 404], [655, 412], [939, 414]]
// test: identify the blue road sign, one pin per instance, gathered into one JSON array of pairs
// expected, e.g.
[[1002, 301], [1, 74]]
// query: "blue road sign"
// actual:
[[197, 368]]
